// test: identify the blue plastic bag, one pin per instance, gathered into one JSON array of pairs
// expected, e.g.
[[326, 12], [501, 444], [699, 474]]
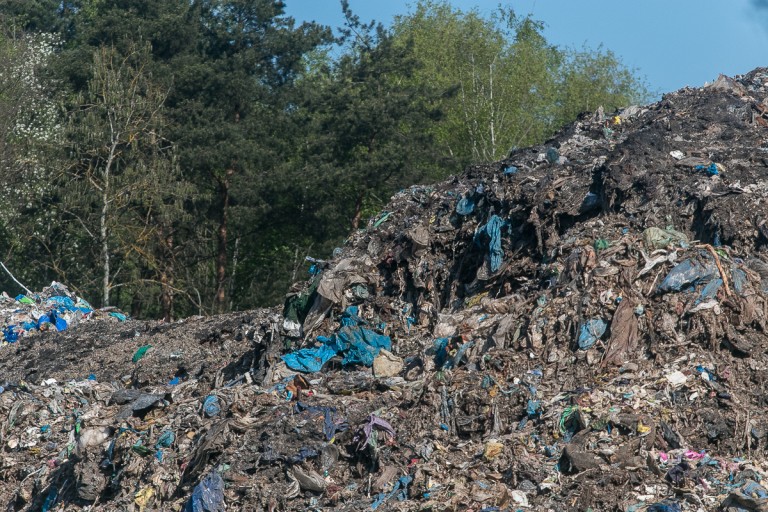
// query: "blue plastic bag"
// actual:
[[688, 272], [11, 334], [399, 492], [208, 495], [665, 506], [709, 291], [553, 155], [591, 331], [443, 356], [465, 206], [166, 439], [211, 406], [50, 499], [710, 169], [533, 409], [591, 202], [739, 280]]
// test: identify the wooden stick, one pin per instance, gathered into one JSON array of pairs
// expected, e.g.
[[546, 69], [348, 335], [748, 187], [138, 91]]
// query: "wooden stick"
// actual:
[[719, 267]]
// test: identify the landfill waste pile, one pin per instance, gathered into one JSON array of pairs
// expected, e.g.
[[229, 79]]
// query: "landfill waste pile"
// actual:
[[582, 326], [53, 308]]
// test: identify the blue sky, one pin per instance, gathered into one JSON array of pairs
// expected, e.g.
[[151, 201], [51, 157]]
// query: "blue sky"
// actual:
[[672, 43]]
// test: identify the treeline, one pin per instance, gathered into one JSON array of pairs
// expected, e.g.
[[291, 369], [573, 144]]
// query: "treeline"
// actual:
[[176, 157]]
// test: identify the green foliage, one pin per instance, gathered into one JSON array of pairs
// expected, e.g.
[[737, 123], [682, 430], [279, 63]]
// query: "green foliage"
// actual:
[[509, 86], [122, 193], [184, 156], [368, 124], [594, 78]]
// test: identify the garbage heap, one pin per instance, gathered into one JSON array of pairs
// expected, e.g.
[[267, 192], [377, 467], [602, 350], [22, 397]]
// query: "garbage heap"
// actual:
[[581, 326], [52, 308]]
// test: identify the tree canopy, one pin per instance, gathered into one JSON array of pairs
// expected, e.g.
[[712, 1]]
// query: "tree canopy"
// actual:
[[172, 157], [505, 85]]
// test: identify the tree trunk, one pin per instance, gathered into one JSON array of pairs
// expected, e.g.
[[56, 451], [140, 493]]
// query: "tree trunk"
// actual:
[[221, 253], [166, 279], [137, 305], [104, 248], [103, 220], [358, 211]]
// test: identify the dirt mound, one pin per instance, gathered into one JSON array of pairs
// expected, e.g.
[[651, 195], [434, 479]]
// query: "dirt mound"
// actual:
[[579, 327]]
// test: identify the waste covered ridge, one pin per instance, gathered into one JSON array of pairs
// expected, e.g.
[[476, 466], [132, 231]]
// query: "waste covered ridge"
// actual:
[[582, 326]]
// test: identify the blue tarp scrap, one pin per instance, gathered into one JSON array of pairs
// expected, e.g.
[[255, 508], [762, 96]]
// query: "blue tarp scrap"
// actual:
[[754, 490], [351, 319], [590, 332], [362, 345], [61, 301], [121, 317], [63, 304], [490, 233], [305, 452], [208, 495], [309, 360], [358, 344]]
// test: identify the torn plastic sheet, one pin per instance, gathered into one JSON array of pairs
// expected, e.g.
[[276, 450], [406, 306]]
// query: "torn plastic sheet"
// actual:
[[492, 233], [332, 423]]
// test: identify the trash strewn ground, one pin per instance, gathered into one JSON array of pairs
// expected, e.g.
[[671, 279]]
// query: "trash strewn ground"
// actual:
[[582, 326]]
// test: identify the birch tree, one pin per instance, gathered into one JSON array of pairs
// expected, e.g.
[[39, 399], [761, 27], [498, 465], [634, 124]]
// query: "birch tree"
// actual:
[[507, 86], [111, 126]]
